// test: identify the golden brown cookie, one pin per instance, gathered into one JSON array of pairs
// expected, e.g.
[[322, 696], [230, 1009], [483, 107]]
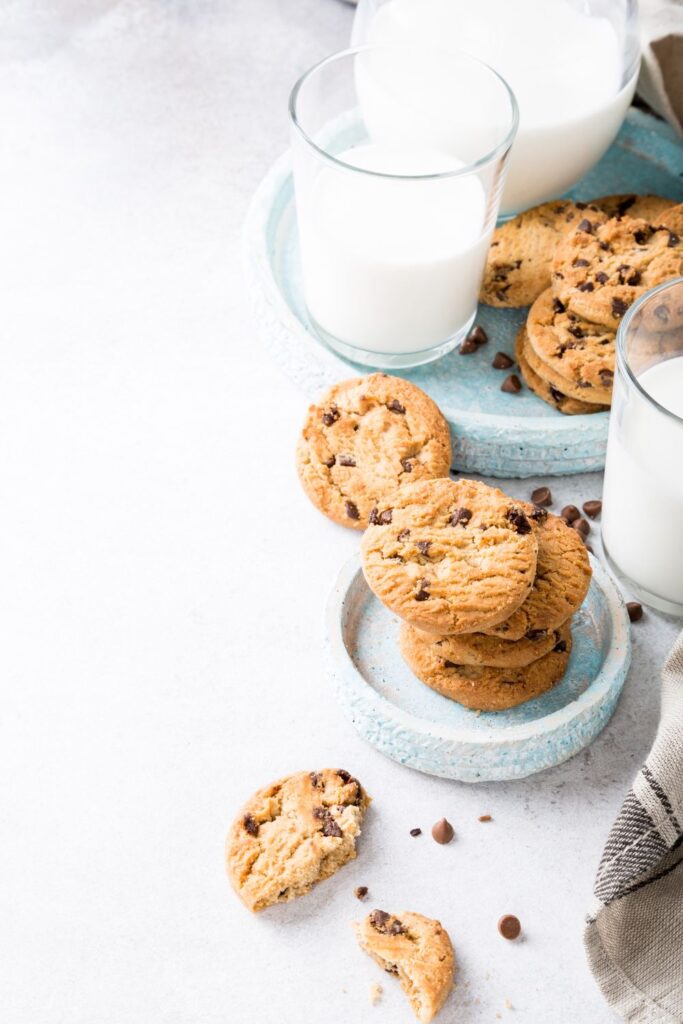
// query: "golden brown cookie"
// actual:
[[544, 389], [450, 556], [572, 354], [293, 834], [600, 271], [491, 651], [418, 950], [648, 207], [518, 262], [366, 438], [563, 576], [481, 687]]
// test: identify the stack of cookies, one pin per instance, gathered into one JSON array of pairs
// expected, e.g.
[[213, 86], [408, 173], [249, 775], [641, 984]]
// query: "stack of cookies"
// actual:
[[486, 587], [580, 266]]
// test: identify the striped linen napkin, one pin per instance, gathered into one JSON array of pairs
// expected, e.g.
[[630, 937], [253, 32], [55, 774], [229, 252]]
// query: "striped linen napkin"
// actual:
[[634, 936]]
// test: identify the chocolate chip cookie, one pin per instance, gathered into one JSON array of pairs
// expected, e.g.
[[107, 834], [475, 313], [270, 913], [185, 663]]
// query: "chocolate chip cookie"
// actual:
[[451, 556], [563, 576], [544, 389], [518, 262], [480, 687], [490, 651], [365, 439], [415, 948], [571, 353], [599, 271], [292, 834]]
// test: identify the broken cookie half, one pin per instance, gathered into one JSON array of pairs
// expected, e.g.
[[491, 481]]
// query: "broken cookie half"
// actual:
[[418, 950], [294, 833]]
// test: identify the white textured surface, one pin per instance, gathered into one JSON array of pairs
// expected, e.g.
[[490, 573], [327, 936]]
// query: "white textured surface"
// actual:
[[163, 580]]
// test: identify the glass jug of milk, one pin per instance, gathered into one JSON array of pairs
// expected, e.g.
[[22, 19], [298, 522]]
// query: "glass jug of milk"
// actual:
[[642, 518], [572, 65]]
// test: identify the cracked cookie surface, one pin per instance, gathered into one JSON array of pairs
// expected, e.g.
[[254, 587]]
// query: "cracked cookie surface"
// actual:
[[599, 273], [519, 259], [544, 389], [418, 950], [563, 575], [480, 687], [451, 556], [571, 353], [490, 651], [293, 834], [365, 439]]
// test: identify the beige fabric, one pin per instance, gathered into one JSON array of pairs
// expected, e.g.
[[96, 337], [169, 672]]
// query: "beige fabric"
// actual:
[[661, 76], [634, 937]]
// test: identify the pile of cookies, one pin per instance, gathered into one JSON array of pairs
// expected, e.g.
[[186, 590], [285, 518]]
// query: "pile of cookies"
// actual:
[[486, 587], [580, 266]]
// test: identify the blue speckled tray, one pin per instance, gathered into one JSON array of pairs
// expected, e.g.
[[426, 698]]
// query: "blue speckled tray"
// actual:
[[412, 724], [494, 434]]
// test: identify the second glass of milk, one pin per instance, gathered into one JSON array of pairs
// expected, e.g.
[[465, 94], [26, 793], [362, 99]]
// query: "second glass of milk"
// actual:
[[642, 519], [394, 226]]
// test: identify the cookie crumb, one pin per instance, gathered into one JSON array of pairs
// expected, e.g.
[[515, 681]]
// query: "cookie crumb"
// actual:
[[508, 1005], [375, 993], [485, 817], [415, 832], [361, 892]]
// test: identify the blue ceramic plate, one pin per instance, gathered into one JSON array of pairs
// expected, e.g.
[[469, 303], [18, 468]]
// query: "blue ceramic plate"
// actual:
[[412, 724], [494, 434]]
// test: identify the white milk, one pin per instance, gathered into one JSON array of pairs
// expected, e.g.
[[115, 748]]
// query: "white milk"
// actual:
[[643, 496], [392, 265], [564, 67]]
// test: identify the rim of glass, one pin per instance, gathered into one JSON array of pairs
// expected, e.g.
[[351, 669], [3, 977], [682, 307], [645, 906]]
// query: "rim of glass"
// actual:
[[354, 51], [622, 358]]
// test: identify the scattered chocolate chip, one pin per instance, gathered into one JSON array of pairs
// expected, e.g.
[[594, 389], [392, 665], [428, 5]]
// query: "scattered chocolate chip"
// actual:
[[601, 277], [592, 508], [542, 496], [581, 526], [569, 513], [331, 416], [442, 832], [605, 246], [403, 535], [423, 546], [536, 634], [619, 307], [586, 225], [502, 361], [558, 307], [467, 347], [586, 286], [423, 590], [347, 460], [250, 825], [395, 406], [509, 926], [330, 462], [378, 920], [460, 517], [560, 646], [539, 515], [351, 510], [478, 335], [512, 385], [635, 610], [361, 892], [407, 465], [415, 832], [485, 817], [518, 520]]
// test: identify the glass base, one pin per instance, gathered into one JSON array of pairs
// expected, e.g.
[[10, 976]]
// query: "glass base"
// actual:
[[645, 596], [389, 360]]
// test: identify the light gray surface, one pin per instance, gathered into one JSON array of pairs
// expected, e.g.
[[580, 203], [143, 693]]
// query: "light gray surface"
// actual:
[[163, 579]]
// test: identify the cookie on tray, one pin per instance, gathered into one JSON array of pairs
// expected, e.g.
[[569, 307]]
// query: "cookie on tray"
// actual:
[[292, 834], [544, 389], [573, 354], [648, 207], [451, 556], [518, 262], [366, 438], [415, 948], [481, 687], [563, 577], [599, 271], [491, 651]]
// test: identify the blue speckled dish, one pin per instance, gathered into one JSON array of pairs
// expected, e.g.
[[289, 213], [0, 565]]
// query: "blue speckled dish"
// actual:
[[412, 724], [494, 434]]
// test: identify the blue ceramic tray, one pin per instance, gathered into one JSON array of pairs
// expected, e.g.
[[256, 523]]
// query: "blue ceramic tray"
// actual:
[[412, 724], [494, 434]]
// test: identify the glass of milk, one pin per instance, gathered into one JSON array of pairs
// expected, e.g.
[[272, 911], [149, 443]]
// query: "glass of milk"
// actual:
[[642, 519], [395, 217], [572, 65]]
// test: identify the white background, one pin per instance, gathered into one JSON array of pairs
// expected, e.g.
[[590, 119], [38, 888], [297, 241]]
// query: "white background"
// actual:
[[162, 578]]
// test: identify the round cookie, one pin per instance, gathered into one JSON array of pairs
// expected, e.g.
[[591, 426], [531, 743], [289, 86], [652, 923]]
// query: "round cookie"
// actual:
[[563, 576], [544, 389], [480, 687], [572, 354], [292, 834], [418, 950], [599, 273], [365, 439], [518, 262], [648, 207], [451, 556], [491, 651]]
